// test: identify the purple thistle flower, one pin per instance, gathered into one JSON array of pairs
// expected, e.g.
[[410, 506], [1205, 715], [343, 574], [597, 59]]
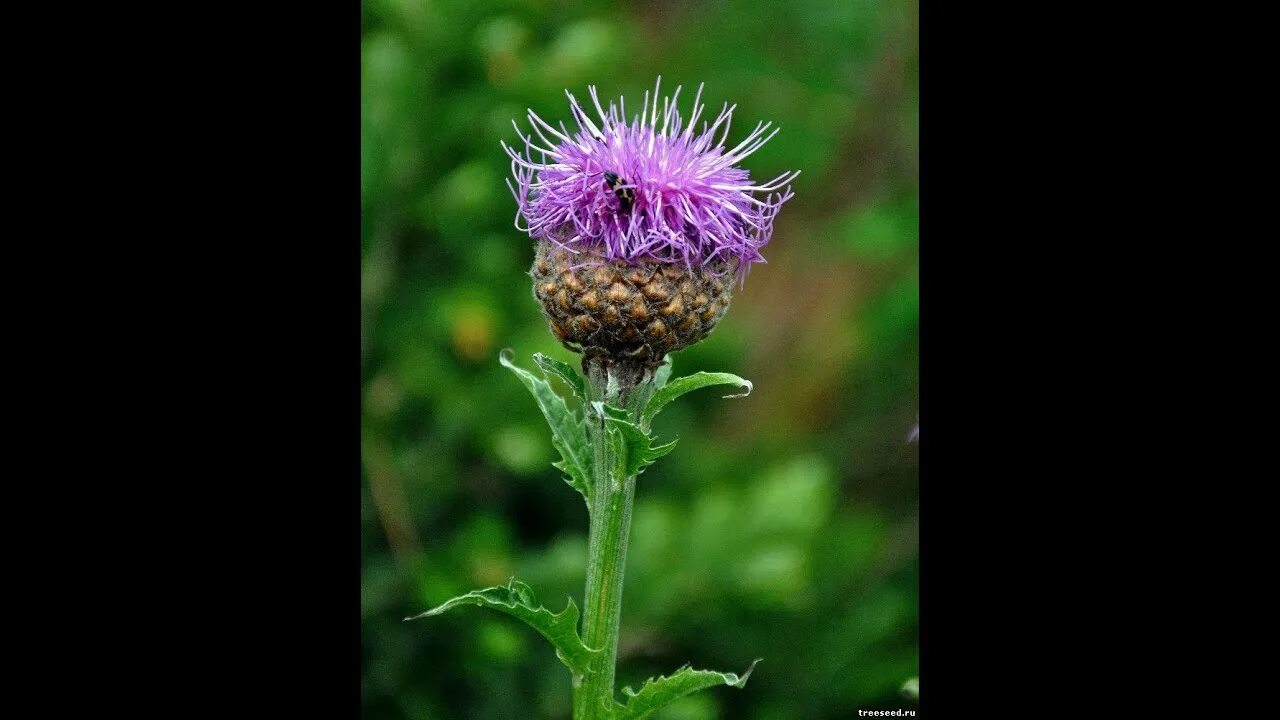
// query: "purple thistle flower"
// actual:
[[651, 189]]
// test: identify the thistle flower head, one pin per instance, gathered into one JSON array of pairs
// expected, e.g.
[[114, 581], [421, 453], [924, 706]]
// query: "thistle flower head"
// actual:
[[651, 189]]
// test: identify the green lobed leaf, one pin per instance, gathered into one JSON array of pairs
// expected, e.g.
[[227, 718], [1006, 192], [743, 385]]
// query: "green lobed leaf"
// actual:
[[517, 599], [568, 431], [658, 692], [551, 366], [689, 383], [633, 448]]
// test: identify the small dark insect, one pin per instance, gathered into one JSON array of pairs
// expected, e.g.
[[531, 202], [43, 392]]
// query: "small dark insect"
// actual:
[[626, 196]]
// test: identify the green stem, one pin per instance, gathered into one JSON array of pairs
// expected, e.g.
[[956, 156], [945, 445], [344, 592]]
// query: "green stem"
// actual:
[[611, 503]]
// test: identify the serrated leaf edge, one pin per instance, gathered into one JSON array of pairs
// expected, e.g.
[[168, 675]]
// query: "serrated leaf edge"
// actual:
[[626, 432], [653, 685], [577, 659], [550, 366], [570, 461]]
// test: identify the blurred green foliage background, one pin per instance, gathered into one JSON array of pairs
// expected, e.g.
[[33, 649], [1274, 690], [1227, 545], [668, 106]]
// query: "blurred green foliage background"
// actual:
[[784, 525]]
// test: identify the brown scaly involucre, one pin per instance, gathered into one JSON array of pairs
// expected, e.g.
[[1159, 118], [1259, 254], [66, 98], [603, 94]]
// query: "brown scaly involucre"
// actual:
[[627, 316]]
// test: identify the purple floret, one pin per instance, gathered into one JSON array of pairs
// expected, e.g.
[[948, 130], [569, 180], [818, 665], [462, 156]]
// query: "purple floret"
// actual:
[[687, 202]]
